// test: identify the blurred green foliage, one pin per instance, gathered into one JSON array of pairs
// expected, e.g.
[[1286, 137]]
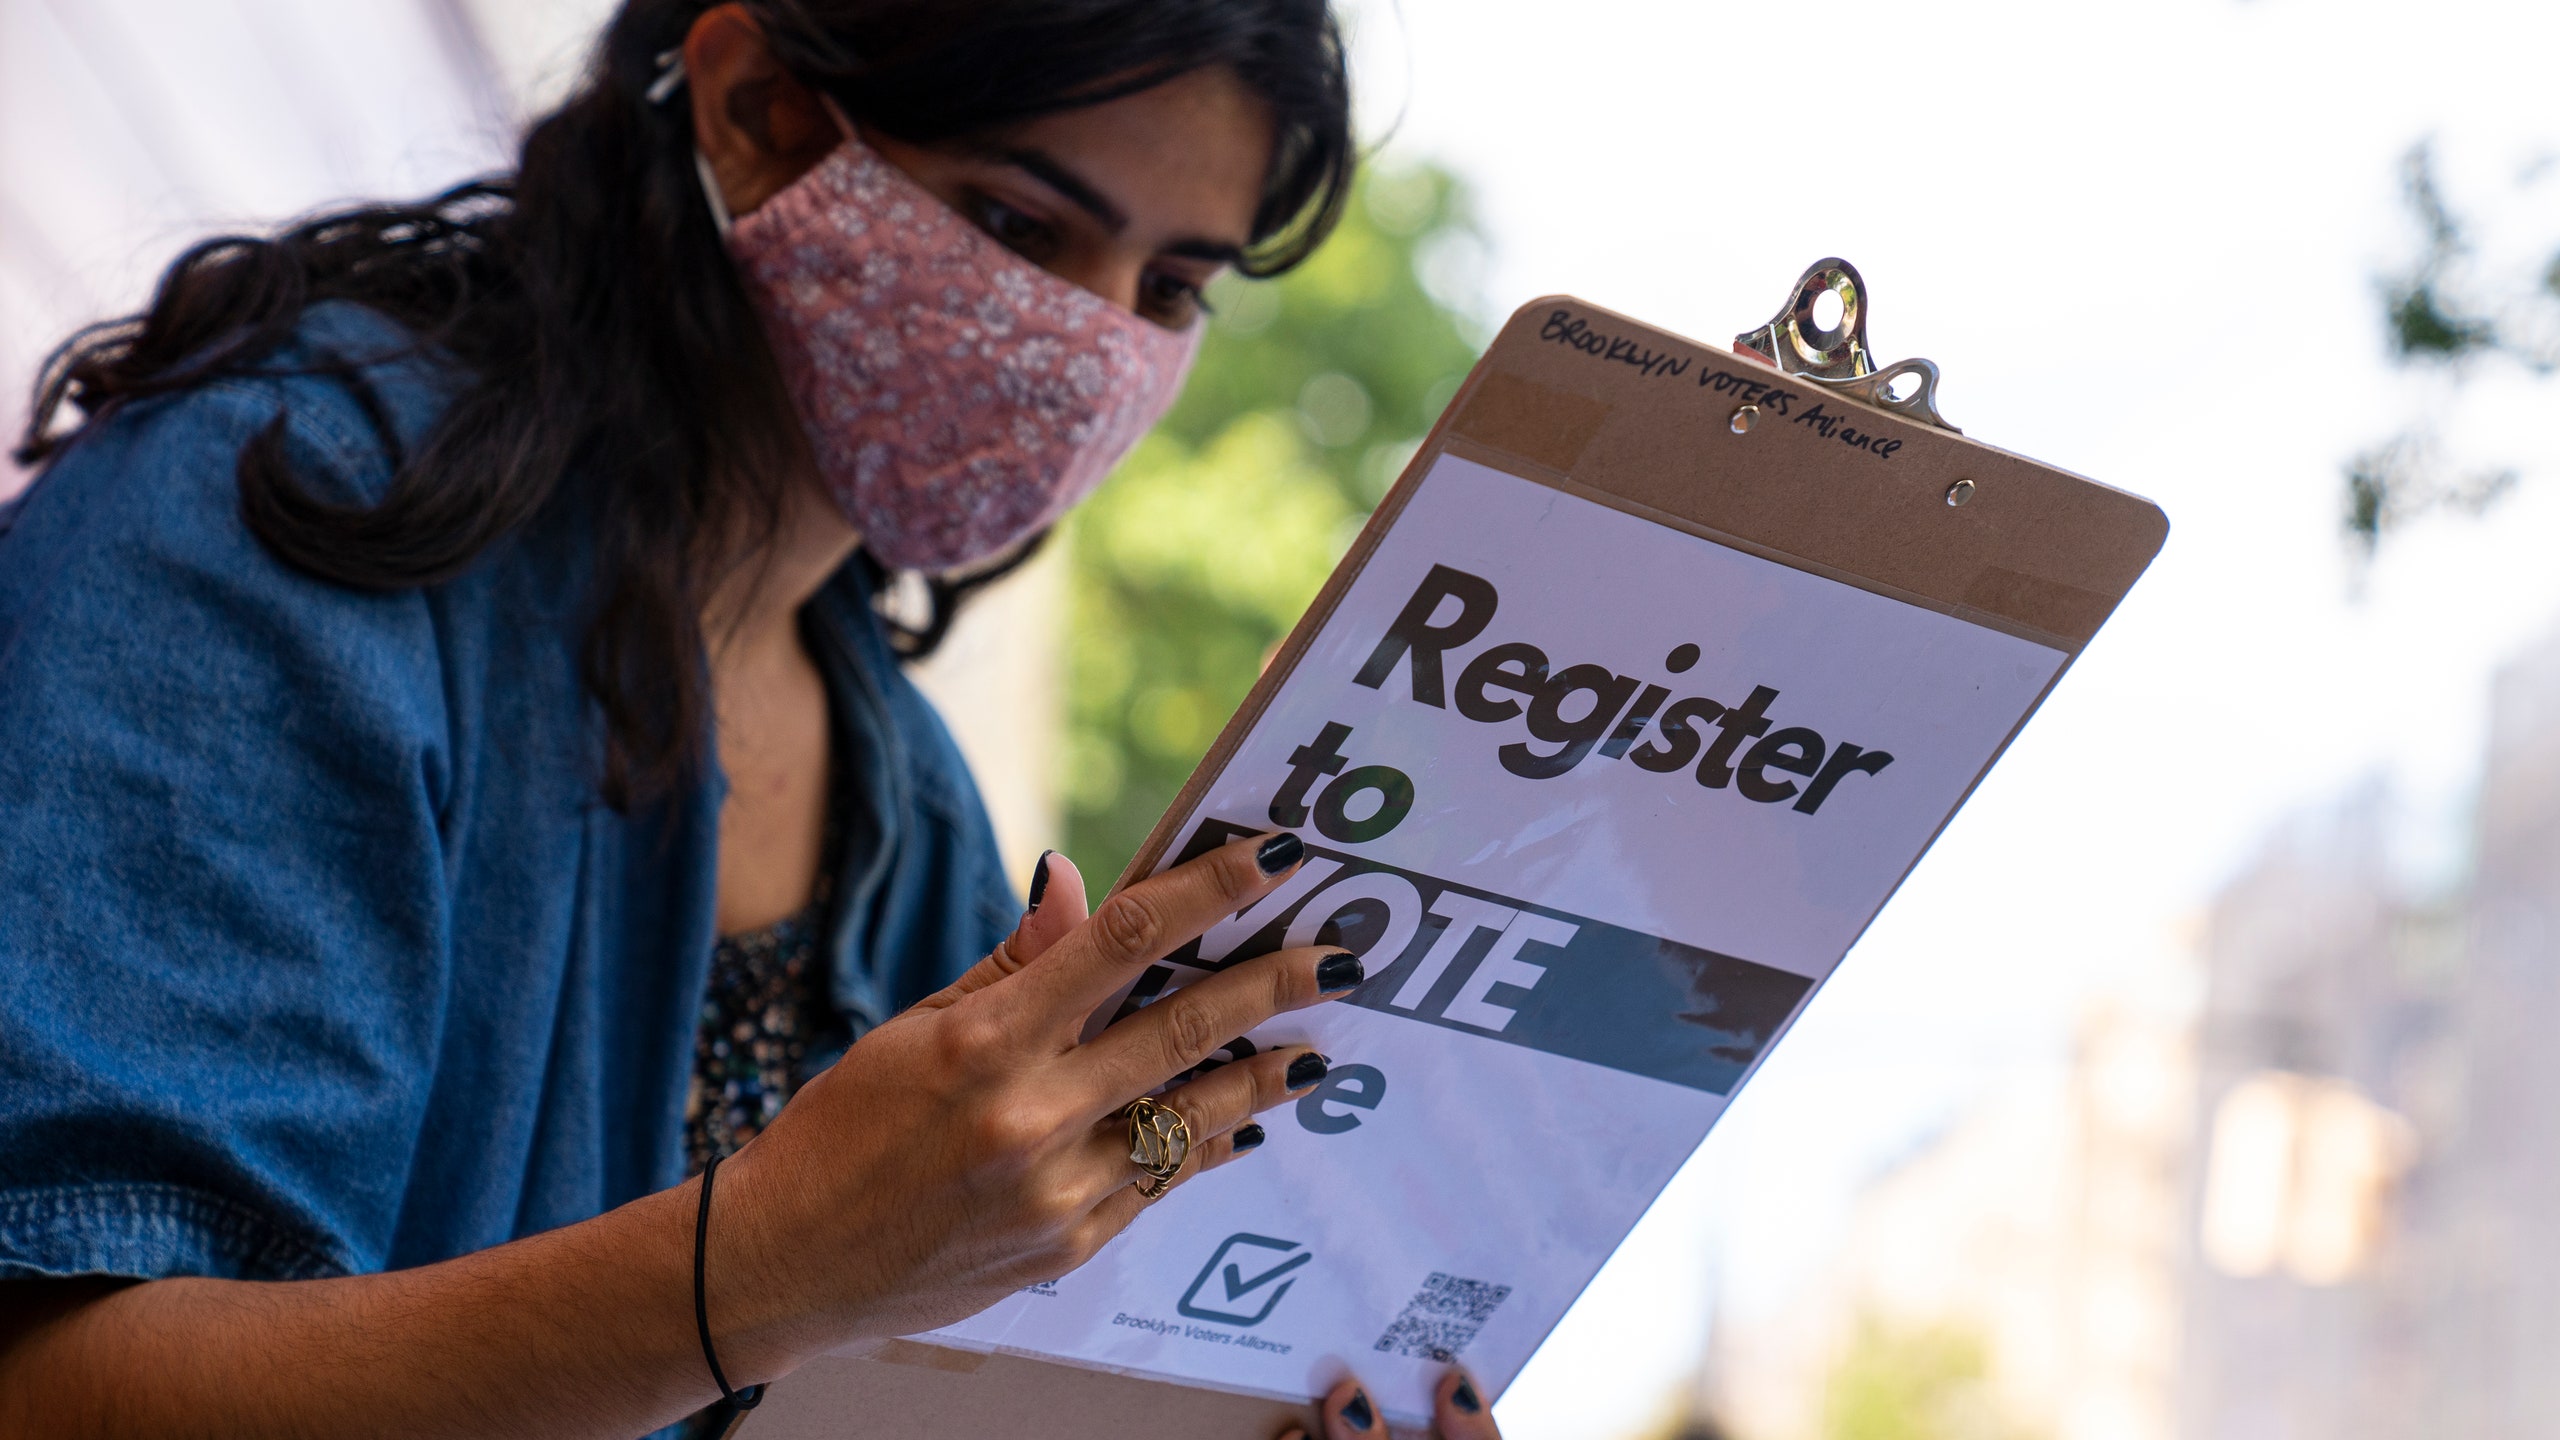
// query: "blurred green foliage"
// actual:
[[1196, 558], [2437, 314], [1898, 1383], [2422, 320]]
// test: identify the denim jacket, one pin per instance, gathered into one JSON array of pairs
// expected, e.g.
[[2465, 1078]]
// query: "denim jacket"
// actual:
[[319, 952]]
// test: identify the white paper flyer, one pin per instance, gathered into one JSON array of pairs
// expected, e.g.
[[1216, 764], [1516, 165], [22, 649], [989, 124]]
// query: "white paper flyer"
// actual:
[[1600, 803]]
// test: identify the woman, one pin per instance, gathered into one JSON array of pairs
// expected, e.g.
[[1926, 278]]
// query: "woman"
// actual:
[[455, 784]]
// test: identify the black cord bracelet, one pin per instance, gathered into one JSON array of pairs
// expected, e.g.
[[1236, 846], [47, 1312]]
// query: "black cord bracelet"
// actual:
[[753, 1395]]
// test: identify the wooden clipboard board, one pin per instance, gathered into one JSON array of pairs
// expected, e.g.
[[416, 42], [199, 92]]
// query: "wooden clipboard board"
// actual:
[[1805, 454]]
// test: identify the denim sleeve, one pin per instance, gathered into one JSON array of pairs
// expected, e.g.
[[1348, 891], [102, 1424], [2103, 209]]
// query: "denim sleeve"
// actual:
[[223, 923]]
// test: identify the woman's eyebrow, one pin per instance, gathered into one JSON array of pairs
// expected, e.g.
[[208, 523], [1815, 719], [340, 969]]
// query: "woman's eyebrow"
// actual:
[[1079, 191], [1085, 196], [1217, 252]]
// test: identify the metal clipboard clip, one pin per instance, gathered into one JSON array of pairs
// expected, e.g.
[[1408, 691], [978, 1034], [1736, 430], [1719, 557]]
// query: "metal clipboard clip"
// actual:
[[1835, 356]]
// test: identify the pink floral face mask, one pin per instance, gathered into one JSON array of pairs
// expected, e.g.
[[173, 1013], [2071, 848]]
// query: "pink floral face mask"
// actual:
[[958, 396]]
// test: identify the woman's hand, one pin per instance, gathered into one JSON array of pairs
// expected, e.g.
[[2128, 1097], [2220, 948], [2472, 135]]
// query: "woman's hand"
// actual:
[[959, 1151], [1457, 1413], [974, 1145]]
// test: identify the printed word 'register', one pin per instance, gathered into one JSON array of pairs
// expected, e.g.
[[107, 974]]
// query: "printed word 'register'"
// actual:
[[1574, 711]]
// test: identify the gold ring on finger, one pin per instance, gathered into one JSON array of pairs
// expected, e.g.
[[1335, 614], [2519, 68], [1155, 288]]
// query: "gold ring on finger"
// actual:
[[1159, 1143]]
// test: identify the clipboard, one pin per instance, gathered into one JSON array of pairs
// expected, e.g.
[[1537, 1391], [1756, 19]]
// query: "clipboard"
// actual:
[[1820, 495]]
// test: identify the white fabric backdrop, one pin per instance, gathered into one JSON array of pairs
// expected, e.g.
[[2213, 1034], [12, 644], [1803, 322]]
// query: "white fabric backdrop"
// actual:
[[129, 128]]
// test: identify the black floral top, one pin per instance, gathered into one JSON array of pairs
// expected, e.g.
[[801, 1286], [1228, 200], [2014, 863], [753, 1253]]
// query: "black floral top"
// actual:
[[763, 1010], [765, 997]]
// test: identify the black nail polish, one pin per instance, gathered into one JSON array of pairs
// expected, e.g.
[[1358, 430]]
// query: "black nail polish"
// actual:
[[1359, 1413], [1040, 881], [1306, 1070], [1279, 853], [1248, 1135], [1339, 971], [1465, 1397]]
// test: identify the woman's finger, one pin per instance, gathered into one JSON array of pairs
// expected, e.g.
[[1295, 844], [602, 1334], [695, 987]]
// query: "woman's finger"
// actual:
[[1123, 1200], [1139, 926], [1234, 1145], [1114, 1214], [1233, 1093], [1349, 1414], [1188, 1025], [1119, 1186], [1055, 908], [1217, 1109], [1458, 1411]]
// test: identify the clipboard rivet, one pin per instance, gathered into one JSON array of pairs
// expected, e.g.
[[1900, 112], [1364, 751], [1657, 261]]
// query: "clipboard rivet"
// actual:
[[1960, 492], [1744, 418]]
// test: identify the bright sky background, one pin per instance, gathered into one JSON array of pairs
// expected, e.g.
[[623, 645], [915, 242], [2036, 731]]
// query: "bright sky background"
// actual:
[[2140, 240]]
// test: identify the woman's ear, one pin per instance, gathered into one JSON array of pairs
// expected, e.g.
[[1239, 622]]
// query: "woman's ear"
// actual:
[[757, 124]]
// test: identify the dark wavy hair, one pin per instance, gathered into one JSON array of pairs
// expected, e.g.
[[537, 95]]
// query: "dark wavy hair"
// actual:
[[615, 364]]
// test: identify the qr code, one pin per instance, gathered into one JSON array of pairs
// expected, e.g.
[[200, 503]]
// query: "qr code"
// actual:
[[1442, 1317]]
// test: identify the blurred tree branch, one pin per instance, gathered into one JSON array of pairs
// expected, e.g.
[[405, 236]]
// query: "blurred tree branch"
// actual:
[[2425, 323], [2440, 314]]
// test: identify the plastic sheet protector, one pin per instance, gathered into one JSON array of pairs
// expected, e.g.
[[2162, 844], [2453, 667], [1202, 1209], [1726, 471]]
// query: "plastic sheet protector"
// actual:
[[1600, 802]]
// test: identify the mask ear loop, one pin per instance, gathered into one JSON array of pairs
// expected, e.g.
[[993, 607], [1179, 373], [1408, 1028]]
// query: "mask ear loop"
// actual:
[[711, 192], [835, 112], [671, 79]]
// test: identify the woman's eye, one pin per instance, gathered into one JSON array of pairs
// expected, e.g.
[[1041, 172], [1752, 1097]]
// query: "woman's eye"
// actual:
[[1169, 300], [1018, 231]]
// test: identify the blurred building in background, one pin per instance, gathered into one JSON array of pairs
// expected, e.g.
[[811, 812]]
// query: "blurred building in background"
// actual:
[[2494, 1177], [2015, 1277], [2377, 1247], [2321, 1204], [2323, 1050], [2318, 1205]]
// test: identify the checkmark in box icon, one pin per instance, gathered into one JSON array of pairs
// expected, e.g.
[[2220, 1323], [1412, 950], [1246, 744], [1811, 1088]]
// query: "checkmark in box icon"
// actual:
[[1245, 1269]]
